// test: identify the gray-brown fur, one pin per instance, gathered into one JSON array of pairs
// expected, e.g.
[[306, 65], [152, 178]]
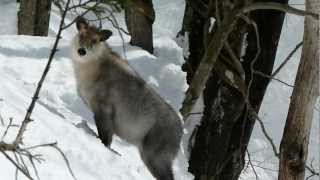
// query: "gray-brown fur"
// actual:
[[123, 104]]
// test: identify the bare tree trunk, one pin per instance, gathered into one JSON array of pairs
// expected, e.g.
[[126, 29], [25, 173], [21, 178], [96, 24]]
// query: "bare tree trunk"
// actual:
[[295, 140], [222, 138], [139, 19], [33, 17]]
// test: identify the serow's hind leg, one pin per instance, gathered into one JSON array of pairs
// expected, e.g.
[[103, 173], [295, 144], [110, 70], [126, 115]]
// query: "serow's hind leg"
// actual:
[[160, 168]]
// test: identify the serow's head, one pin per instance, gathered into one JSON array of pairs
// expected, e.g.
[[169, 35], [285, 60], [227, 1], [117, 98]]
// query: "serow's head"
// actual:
[[90, 40]]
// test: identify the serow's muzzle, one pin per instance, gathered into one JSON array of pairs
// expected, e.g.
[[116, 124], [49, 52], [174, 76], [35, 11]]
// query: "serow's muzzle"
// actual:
[[82, 51]]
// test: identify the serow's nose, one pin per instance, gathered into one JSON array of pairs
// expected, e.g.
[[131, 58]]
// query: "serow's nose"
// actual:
[[82, 51]]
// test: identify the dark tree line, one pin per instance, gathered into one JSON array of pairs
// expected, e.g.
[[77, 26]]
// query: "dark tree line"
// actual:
[[34, 16]]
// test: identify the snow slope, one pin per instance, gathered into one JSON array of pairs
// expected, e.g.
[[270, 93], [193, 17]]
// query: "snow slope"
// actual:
[[59, 112], [59, 108]]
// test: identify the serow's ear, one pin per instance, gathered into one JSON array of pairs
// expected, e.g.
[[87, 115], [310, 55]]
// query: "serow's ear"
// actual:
[[105, 34], [81, 23]]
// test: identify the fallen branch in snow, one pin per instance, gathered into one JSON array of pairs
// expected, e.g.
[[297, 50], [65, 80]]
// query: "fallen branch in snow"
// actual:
[[19, 152]]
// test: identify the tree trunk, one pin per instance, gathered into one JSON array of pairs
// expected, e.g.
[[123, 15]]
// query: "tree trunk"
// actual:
[[295, 140], [33, 17], [193, 23], [225, 130], [139, 19]]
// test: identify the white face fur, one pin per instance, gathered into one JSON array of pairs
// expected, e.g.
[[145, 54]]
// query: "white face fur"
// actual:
[[92, 53], [88, 45]]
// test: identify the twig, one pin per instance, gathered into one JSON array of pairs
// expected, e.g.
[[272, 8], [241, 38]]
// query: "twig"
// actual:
[[112, 23], [235, 60], [58, 4], [65, 159], [253, 169], [16, 165], [266, 135], [7, 129], [14, 147], [30, 157], [312, 171], [272, 77], [1, 120], [206, 64], [81, 15], [119, 31], [255, 27], [45, 72], [216, 44], [277, 6], [79, 5], [270, 140], [286, 60], [265, 168]]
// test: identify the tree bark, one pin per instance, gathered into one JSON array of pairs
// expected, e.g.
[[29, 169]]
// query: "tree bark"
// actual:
[[139, 19], [33, 17], [225, 130], [295, 140]]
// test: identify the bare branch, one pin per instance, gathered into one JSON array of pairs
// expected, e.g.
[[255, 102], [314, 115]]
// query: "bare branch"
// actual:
[[114, 24], [286, 60], [81, 15], [253, 169], [312, 171], [277, 6], [16, 165], [119, 30], [14, 147], [235, 60], [65, 159], [46, 70], [264, 131], [1, 120], [8, 127], [272, 77], [79, 5], [206, 65]]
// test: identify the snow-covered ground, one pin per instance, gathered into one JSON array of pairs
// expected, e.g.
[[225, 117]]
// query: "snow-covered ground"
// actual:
[[59, 111]]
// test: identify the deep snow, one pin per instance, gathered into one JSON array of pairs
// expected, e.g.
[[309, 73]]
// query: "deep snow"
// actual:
[[59, 110]]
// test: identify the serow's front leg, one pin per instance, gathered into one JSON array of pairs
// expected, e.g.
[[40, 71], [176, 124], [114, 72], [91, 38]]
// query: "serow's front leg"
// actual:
[[104, 122]]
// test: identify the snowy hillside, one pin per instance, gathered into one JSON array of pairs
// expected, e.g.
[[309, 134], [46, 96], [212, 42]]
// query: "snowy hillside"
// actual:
[[59, 113]]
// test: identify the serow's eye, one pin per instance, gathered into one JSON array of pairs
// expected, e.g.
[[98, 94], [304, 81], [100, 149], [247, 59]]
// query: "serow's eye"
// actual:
[[94, 41]]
